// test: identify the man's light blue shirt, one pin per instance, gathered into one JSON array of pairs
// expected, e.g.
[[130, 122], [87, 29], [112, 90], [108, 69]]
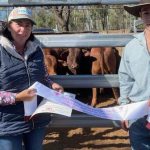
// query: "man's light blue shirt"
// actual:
[[134, 71]]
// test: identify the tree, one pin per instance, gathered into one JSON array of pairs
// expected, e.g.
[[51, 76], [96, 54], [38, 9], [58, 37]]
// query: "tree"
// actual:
[[44, 18], [83, 18], [62, 14]]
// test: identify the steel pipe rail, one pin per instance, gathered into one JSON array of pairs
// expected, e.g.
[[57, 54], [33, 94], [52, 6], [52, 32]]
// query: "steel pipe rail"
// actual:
[[84, 40], [81, 120], [8, 3], [80, 81]]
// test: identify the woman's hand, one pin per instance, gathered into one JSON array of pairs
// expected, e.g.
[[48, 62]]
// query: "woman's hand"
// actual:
[[26, 95], [57, 87]]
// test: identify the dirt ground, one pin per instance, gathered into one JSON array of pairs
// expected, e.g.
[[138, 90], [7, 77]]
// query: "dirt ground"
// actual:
[[88, 138]]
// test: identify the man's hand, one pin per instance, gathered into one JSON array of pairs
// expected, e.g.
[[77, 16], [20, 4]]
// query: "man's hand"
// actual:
[[125, 125], [26, 95]]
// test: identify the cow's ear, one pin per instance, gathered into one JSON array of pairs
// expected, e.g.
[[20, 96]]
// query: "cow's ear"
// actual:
[[62, 62], [86, 52], [64, 54]]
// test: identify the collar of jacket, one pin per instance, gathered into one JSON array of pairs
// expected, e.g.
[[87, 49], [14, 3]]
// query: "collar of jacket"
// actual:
[[31, 47]]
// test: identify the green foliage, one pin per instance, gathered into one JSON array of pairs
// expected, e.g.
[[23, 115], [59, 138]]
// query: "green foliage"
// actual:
[[85, 18], [44, 18]]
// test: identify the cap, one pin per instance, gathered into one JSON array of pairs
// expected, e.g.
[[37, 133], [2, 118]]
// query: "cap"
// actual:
[[21, 13]]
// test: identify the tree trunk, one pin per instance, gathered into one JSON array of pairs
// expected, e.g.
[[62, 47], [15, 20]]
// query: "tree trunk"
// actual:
[[62, 14]]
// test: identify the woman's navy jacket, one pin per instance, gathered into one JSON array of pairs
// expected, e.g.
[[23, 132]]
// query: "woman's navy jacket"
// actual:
[[17, 74]]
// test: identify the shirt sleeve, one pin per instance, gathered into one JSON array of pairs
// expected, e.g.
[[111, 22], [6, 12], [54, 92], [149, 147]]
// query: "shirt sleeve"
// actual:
[[7, 98], [126, 79]]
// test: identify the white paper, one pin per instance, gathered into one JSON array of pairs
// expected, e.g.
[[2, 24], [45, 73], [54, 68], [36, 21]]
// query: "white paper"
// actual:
[[30, 106], [136, 110], [125, 112], [71, 95], [51, 107]]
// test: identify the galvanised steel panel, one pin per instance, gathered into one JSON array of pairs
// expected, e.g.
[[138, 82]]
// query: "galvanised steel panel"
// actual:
[[8, 3], [84, 40], [81, 120], [86, 81]]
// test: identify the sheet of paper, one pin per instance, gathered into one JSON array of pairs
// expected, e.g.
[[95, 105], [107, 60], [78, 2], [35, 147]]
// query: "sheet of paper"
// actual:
[[50, 107], [30, 106], [136, 110], [128, 112], [71, 95]]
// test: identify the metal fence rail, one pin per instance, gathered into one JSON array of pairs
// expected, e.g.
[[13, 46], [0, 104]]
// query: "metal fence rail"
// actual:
[[8, 3], [84, 40], [80, 119], [80, 81]]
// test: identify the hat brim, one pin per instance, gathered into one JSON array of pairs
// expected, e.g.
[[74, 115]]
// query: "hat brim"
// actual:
[[135, 9], [19, 18]]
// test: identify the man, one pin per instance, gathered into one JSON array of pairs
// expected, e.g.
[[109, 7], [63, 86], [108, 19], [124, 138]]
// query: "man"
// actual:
[[134, 76]]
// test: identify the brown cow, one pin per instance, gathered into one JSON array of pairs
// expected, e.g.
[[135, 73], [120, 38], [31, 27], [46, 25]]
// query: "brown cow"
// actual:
[[70, 61], [104, 63], [51, 64], [54, 60], [75, 59], [64, 61]]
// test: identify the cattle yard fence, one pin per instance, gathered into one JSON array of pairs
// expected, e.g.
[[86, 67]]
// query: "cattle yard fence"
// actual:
[[79, 40], [12, 3]]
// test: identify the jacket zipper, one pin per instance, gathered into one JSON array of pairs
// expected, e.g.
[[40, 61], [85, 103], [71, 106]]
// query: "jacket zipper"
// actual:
[[26, 58]]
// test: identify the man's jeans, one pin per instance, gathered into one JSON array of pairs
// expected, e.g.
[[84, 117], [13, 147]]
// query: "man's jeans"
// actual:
[[139, 135], [32, 140]]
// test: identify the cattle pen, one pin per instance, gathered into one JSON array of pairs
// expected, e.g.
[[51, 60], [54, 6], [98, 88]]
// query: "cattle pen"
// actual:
[[80, 40]]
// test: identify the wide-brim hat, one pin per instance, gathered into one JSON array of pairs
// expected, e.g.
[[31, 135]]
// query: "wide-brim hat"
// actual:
[[135, 9], [21, 13]]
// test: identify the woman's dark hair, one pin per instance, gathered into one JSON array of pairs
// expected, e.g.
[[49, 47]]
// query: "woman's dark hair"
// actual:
[[6, 33]]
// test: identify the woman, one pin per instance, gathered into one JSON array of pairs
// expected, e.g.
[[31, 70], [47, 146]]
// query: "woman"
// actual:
[[21, 64], [134, 76]]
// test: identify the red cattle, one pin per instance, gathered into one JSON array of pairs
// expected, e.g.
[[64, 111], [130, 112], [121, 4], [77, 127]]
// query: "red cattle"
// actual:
[[75, 59], [104, 62], [51, 64], [55, 61], [64, 61], [70, 61]]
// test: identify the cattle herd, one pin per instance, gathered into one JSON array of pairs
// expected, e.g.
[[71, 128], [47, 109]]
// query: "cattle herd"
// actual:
[[81, 61]]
